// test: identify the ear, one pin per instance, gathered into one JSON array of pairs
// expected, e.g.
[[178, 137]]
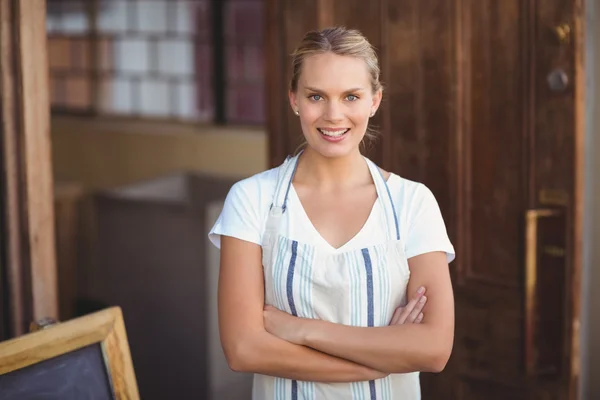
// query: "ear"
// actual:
[[293, 101], [377, 96]]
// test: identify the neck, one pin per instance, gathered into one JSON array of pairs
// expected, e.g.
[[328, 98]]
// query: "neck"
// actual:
[[314, 169]]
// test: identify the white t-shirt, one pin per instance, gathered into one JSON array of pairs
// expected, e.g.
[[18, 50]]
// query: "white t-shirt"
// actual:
[[247, 206]]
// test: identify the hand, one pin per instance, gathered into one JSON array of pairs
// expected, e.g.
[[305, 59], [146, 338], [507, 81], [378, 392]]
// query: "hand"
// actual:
[[283, 325], [412, 312]]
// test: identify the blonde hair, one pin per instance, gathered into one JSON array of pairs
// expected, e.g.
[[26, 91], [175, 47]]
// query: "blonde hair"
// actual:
[[342, 42]]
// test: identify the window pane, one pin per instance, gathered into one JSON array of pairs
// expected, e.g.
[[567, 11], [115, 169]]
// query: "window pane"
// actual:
[[116, 96], [184, 17], [113, 16], [132, 56], [106, 55], [80, 56], [244, 21], [59, 53], [155, 58], [205, 101], [187, 106], [244, 61], [245, 104], [78, 93], [155, 100], [73, 18], [52, 23], [176, 57], [192, 17], [151, 16], [203, 61]]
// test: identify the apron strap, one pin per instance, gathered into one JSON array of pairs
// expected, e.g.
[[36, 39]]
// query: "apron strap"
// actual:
[[286, 176], [385, 197], [284, 182]]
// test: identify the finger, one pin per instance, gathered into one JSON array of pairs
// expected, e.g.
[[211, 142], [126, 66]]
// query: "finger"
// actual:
[[411, 305], [396, 315], [419, 319], [412, 317]]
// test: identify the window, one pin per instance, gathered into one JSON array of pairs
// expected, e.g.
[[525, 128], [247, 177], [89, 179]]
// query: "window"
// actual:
[[190, 60]]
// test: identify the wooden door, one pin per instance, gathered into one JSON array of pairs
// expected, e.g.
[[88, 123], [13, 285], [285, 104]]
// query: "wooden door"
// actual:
[[483, 104]]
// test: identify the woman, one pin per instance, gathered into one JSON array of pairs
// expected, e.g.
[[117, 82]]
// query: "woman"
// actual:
[[318, 254]]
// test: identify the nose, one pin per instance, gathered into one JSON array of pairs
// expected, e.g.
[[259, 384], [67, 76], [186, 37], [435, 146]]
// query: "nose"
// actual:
[[333, 112]]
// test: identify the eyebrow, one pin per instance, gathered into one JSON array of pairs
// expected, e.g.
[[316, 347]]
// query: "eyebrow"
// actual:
[[311, 89]]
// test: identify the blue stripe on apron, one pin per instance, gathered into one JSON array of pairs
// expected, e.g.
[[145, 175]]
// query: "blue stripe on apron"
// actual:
[[290, 296], [370, 306], [303, 302], [280, 383], [290, 279]]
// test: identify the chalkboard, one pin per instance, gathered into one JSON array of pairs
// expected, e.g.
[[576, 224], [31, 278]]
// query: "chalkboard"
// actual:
[[78, 375], [84, 359]]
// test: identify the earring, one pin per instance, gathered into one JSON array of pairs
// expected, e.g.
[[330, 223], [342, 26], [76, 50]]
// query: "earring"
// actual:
[[372, 114], [297, 112]]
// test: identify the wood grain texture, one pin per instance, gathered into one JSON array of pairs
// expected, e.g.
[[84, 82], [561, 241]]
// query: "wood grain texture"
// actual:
[[468, 111], [117, 353], [58, 339], [35, 135], [27, 172], [12, 207]]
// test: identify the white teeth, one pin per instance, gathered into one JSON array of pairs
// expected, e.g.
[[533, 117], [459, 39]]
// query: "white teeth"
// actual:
[[333, 133]]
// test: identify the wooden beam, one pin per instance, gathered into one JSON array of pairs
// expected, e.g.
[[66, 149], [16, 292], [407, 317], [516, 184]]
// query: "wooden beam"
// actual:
[[579, 22], [29, 259]]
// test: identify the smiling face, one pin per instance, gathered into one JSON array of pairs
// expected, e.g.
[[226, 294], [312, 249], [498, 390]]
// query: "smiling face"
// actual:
[[334, 100]]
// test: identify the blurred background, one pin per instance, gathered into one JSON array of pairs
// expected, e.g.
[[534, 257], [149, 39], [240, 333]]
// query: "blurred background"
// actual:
[[159, 106]]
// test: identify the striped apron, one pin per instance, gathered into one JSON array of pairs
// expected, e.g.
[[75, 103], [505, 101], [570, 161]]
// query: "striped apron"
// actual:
[[360, 287]]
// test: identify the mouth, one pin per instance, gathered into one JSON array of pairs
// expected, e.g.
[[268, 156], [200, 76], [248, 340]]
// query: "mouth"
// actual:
[[333, 134]]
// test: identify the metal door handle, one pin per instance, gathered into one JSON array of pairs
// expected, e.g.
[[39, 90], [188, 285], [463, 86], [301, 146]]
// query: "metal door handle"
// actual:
[[545, 291]]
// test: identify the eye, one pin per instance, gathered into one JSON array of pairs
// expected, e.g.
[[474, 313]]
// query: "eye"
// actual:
[[315, 97], [351, 97]]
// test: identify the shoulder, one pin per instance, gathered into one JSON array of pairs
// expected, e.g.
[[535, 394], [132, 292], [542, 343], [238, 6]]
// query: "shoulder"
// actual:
[[402, 187], [255, 190], [245, 209], [408, 195], [420, 216], [263, 181]]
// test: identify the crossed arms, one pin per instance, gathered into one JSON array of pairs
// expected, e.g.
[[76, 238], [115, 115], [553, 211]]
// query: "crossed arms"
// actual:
[[267, 341]]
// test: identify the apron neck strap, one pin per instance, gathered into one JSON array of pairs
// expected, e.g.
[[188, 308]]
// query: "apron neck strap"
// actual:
[[284, 181], [286, 175], [385, 197]]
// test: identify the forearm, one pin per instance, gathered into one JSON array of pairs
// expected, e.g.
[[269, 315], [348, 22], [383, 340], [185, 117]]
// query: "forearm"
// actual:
[[391, 349], [266, 354], [398, 348]]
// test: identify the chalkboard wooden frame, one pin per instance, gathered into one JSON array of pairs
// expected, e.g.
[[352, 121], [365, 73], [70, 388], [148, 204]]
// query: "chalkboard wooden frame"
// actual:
[[105, 328]]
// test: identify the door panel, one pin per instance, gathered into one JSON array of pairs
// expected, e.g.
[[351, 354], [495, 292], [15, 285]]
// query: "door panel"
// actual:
[[474, 389], [483, 103], [490, 198], [494, 138]]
